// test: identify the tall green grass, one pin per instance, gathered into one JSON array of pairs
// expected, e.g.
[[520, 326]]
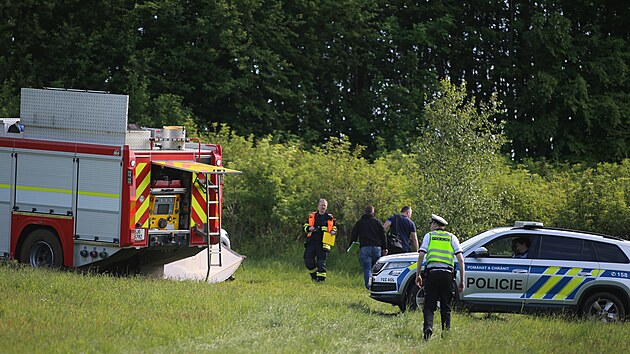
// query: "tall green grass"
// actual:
[[272, 306]]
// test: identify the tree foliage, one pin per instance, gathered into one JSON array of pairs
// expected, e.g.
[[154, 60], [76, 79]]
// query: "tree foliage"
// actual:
[[361, 70], [456, 151]]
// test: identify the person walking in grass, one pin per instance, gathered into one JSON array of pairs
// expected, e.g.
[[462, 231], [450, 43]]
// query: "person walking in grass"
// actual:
[[372, 242], [316, 251], [402, 226], [441, 248]]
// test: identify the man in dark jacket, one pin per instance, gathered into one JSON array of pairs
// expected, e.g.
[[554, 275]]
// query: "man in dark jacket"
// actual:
[[371, 235]]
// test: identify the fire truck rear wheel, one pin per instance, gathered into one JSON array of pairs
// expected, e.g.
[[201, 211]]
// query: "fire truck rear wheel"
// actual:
[[42, 249]]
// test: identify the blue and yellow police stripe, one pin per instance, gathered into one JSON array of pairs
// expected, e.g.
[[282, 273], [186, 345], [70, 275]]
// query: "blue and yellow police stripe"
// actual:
[[559, 283]]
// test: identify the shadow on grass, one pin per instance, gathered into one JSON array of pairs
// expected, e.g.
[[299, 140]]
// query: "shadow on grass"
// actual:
[[357, 306]]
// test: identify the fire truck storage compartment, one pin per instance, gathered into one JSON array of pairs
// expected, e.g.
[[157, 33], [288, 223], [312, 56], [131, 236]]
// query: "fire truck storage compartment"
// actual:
[[85, 186], [98, 200], [170, 189], [44, 182], [6, 199]]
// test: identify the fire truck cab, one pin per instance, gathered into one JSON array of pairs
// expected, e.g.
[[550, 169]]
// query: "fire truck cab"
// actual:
[[80, 188]]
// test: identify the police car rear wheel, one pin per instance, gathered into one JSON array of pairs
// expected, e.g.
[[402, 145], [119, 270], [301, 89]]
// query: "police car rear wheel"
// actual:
[[604, 307]]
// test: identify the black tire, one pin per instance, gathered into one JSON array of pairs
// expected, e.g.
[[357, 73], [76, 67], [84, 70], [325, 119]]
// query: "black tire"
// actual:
[[414, 298], [42, 249], [603, 307]]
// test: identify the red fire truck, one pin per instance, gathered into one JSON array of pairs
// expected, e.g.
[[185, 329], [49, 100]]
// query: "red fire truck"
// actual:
[[79, 188]]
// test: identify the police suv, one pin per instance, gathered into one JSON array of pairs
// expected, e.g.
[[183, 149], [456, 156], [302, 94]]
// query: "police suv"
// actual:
[[579, 271]]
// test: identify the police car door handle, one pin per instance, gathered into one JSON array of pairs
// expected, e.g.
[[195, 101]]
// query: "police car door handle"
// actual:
[[519, 271], [585, 274]]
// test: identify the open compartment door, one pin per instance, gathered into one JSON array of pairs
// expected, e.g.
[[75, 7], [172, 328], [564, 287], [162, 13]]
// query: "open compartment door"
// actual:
[[216, 263]]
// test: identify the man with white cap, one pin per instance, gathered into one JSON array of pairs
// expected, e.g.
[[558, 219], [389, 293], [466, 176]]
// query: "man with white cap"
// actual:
[[441, 248]]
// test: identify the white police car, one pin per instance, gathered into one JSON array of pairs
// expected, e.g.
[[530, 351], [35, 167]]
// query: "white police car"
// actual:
[[579, 271]]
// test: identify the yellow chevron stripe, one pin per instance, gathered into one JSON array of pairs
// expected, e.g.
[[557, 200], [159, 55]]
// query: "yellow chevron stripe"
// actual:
[[547, 286], [140, 167], [200, 211], [197, 208], [573, 271], [141, 210], [551, 270], [571, 285], [195, 202], [141, 187]]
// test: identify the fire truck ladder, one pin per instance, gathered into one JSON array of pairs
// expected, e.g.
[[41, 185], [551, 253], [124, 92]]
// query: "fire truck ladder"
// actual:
[[217, 189]]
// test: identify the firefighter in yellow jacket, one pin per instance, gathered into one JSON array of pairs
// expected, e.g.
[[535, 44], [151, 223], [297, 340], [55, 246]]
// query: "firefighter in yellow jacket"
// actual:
[[315, 253]]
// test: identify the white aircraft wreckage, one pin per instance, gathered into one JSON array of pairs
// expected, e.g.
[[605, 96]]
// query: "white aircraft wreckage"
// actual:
[[219, 266]]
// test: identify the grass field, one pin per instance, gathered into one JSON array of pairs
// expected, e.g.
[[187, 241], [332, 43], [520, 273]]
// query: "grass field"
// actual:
[[271, 307]]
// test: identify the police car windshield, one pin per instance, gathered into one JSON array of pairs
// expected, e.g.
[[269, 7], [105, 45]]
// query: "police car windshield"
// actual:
[[473, 240]]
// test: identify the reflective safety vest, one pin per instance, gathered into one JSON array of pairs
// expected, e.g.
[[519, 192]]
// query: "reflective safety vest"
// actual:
[[311, 222], [440, 248]]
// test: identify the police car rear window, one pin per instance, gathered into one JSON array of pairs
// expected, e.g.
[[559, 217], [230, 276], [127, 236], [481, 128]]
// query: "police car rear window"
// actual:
[[609, 253], [588, 252], [562, 248]]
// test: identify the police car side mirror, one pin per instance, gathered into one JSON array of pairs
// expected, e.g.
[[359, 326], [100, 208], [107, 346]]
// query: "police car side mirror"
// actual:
[[480, 252]]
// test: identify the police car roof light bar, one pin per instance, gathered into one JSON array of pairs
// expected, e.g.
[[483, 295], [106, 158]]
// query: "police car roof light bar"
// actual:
[[528, 224]]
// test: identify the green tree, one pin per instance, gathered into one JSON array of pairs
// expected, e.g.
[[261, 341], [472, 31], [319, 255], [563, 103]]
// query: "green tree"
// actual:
[[570, 82], [457, 152], [598, 199]]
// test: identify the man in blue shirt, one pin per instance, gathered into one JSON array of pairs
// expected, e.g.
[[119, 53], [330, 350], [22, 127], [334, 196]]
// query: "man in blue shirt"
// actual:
[[405, 229]]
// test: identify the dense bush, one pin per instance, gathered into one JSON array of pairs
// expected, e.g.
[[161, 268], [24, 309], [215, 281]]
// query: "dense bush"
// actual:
[[281, 183], [454, 168]]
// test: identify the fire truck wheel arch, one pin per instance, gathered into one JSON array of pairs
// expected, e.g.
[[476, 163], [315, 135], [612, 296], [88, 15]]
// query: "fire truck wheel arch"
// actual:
[[41, 248]]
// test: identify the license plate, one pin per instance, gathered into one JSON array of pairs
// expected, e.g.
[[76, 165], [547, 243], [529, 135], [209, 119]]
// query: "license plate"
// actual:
[[138, 235]]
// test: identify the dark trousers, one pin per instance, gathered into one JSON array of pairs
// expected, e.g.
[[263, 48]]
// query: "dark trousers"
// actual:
[[438, 286], [315, 259]]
